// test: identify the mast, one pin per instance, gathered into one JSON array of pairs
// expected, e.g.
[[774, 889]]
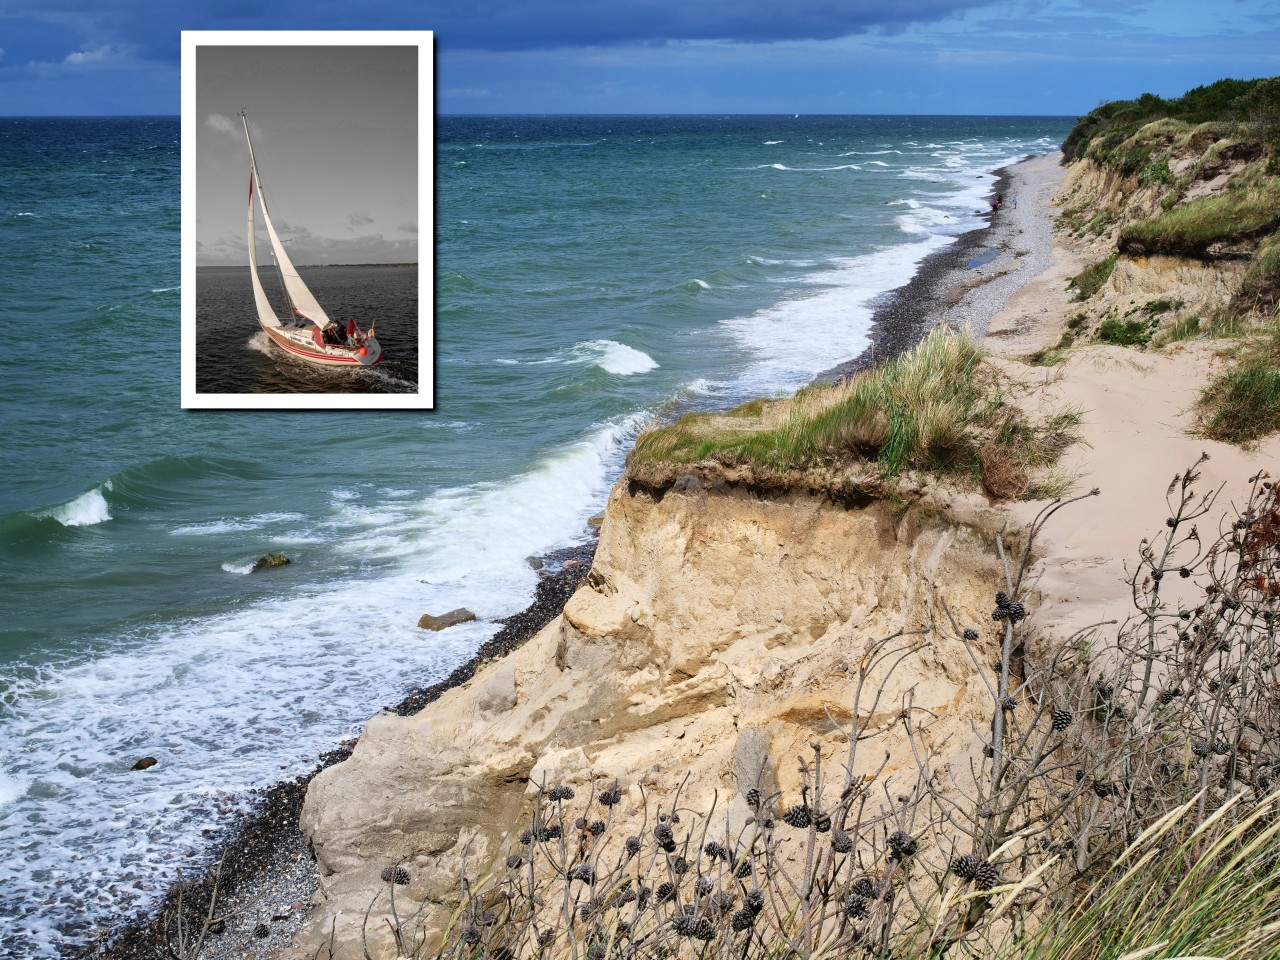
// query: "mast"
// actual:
[[301, 299]]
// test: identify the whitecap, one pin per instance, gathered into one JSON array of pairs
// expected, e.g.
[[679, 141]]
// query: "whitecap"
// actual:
[[701, 284], [212, 527], [85, 510], [771, 143], [240, 569], [613, 357]]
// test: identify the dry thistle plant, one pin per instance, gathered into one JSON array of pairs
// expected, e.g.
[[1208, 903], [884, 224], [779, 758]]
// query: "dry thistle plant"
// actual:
[[1089, 744]]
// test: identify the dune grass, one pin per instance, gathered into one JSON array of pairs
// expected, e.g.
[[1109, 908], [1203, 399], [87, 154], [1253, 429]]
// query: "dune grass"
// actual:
[[936, 408], [1242, 404], [1210, 891], [1090, 280]]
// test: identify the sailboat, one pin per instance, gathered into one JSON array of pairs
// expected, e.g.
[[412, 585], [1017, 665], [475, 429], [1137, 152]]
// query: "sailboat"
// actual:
[[309, 333]]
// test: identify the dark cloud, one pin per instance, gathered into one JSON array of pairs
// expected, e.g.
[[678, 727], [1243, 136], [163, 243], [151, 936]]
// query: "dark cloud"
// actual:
[[152, 29], [535, 24]]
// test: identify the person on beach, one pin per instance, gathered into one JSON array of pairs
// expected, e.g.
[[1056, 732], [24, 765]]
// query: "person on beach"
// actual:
[[995, 204]]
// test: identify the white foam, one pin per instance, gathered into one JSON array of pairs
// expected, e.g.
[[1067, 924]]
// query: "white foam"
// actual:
[[240, 569], [85, 510], [808, 333], [212, 527], [779, 166], [613, 357], [701, 284], [771, 143], [12, 788]]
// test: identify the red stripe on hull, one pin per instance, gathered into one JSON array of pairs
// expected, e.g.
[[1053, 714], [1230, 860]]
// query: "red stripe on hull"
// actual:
[[321, 358]]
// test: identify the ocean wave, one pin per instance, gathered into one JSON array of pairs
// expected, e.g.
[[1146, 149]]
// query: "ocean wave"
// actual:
[[779, 166], [86, 510], [240, 569], [613, 357], [697, 284], [772, 143], [803, 335]]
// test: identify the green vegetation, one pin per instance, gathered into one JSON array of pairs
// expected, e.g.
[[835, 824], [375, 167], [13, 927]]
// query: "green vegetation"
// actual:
[[1248, 207], [1126, 333], [1102, 133], [935, 408], [1242, 404], [1090, 280]]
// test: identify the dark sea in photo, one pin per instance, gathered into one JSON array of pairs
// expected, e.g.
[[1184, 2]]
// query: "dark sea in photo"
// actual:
[[233, 355]]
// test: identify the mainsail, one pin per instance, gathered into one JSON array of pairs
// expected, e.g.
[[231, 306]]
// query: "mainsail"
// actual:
[[303, 300], [265, 312]]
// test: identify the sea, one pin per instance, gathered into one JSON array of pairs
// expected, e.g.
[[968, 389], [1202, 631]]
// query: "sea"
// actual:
[[593, 275]]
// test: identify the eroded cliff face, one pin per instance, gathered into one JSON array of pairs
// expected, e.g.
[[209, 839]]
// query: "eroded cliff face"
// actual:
[[714, 641], [1200, 285]]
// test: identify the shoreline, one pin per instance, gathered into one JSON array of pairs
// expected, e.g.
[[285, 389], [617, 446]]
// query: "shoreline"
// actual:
[[269, 875], [952, 285]]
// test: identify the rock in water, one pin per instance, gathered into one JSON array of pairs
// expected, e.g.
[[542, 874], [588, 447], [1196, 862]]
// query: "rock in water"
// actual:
[[270, 560], [461, 615], [146, 763]]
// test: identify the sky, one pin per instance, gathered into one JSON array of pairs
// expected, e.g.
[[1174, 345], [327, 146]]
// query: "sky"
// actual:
[[1037, 57], [335, 135]]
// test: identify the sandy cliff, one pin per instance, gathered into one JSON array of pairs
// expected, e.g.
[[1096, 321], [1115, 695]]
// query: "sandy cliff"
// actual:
[[715, 638]]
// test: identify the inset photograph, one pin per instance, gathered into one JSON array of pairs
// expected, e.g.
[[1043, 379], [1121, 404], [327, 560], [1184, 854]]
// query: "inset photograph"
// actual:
[[306, 172]]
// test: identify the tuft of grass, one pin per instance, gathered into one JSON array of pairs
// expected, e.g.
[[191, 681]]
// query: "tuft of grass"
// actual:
[[1126, 333], [1181, 889], [1090, 280], [1242, 404], [935, 408]]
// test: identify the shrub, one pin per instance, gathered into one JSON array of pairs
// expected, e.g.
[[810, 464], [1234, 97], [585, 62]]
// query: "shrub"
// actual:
[[1090, 280], [1126, 333]]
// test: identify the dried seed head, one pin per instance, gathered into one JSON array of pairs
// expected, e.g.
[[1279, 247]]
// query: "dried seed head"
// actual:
[[395, 874], [755, 900], [966, 867], [612, 796], [1061, 719], [902, 844], [797, 816], [753, 798], [632, 846], [556, 794], [970, 634], [841, 842], [985, 876], [855, 907]]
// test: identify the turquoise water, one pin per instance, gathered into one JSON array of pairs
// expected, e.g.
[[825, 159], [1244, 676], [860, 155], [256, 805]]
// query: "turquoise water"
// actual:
[[592, 274]]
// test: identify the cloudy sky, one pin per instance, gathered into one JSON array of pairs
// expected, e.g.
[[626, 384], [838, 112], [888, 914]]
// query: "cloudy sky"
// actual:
[[1058, 57], [335, 133]]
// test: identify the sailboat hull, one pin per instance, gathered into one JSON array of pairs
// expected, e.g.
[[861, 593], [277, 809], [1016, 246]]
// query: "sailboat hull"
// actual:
[[299, 343]]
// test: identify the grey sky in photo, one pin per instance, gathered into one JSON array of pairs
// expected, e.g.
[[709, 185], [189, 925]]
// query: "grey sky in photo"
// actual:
[[335, 131]]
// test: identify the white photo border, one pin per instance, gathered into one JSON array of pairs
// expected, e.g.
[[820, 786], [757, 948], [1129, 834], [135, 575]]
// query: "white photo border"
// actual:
[[424, 397]]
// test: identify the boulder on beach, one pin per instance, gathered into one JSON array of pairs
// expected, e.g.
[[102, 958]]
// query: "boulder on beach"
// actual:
[[270, 560], [146, 763], [461, 615]]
